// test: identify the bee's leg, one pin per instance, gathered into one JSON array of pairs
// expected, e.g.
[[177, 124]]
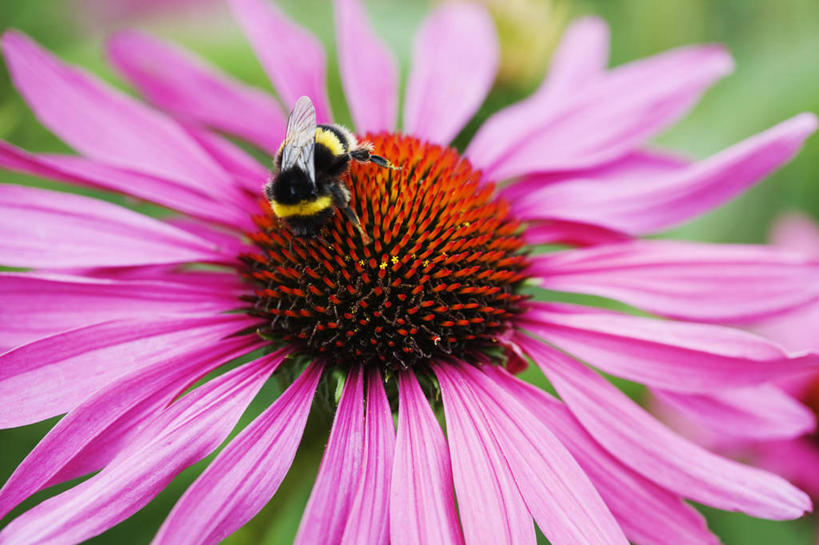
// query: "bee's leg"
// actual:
[[363, 155], [383, 162], [350, 214], [341, 198], [324, 242]]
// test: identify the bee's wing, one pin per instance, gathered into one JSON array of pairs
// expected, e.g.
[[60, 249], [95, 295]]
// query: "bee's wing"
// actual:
[[300, 140]]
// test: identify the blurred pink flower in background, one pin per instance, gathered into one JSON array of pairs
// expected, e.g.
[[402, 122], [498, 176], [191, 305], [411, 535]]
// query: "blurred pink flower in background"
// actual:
[[796, 460], [773, 445], [119, 11], [112, 324]]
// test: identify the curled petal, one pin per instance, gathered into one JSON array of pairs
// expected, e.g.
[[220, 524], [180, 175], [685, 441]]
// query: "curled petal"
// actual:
[[638, 167], [796, 460]]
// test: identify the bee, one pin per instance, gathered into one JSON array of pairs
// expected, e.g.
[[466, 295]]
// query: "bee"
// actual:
[[308, 184]]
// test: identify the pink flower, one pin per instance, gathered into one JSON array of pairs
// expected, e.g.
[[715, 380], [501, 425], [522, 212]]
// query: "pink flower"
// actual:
[[777, 447], [122, 312], [112, 11]]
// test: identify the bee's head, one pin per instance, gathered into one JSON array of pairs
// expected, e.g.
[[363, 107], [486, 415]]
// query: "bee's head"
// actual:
[[292, 186]]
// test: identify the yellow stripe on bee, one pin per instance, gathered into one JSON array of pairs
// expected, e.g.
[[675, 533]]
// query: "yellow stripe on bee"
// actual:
[[329, 140], [303, 208]]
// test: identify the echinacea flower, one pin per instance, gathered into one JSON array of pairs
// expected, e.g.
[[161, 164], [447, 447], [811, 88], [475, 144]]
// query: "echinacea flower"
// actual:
[[117, 314]]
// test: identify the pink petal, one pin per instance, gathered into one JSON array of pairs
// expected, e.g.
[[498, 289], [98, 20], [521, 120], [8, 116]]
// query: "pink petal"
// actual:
[[107, 125], [640, 167], [610, 117], [93, 433], [329, 504], [795, 460], [37, 305], [676, 356], [638, 206], [201, 277], [14, 159], [489, 503], [178, 437], [86, 172], [40, 228], [278, 42], [564, 503], [689, 281], [369, 71], [797, 232], [186, 86], [641, 442], [648, 514], [571, 232], [454, 61], [760, 413], [580, 59], [795, 330], [246, 170], [368, 519], [53, 375], [246, 474], [422, 505], [230, 213], [227, 241]]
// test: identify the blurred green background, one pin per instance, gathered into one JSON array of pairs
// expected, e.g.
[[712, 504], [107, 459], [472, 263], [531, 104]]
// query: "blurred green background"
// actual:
[[775, 43]]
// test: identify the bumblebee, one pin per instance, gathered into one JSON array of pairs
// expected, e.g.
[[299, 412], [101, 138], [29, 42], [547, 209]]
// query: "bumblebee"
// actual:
[[310, 164]]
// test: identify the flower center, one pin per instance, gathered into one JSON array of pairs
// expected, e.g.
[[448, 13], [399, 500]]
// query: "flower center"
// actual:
[[439, 277]]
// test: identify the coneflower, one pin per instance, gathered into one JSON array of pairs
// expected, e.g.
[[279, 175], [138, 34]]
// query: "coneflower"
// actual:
[[117, 317]]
